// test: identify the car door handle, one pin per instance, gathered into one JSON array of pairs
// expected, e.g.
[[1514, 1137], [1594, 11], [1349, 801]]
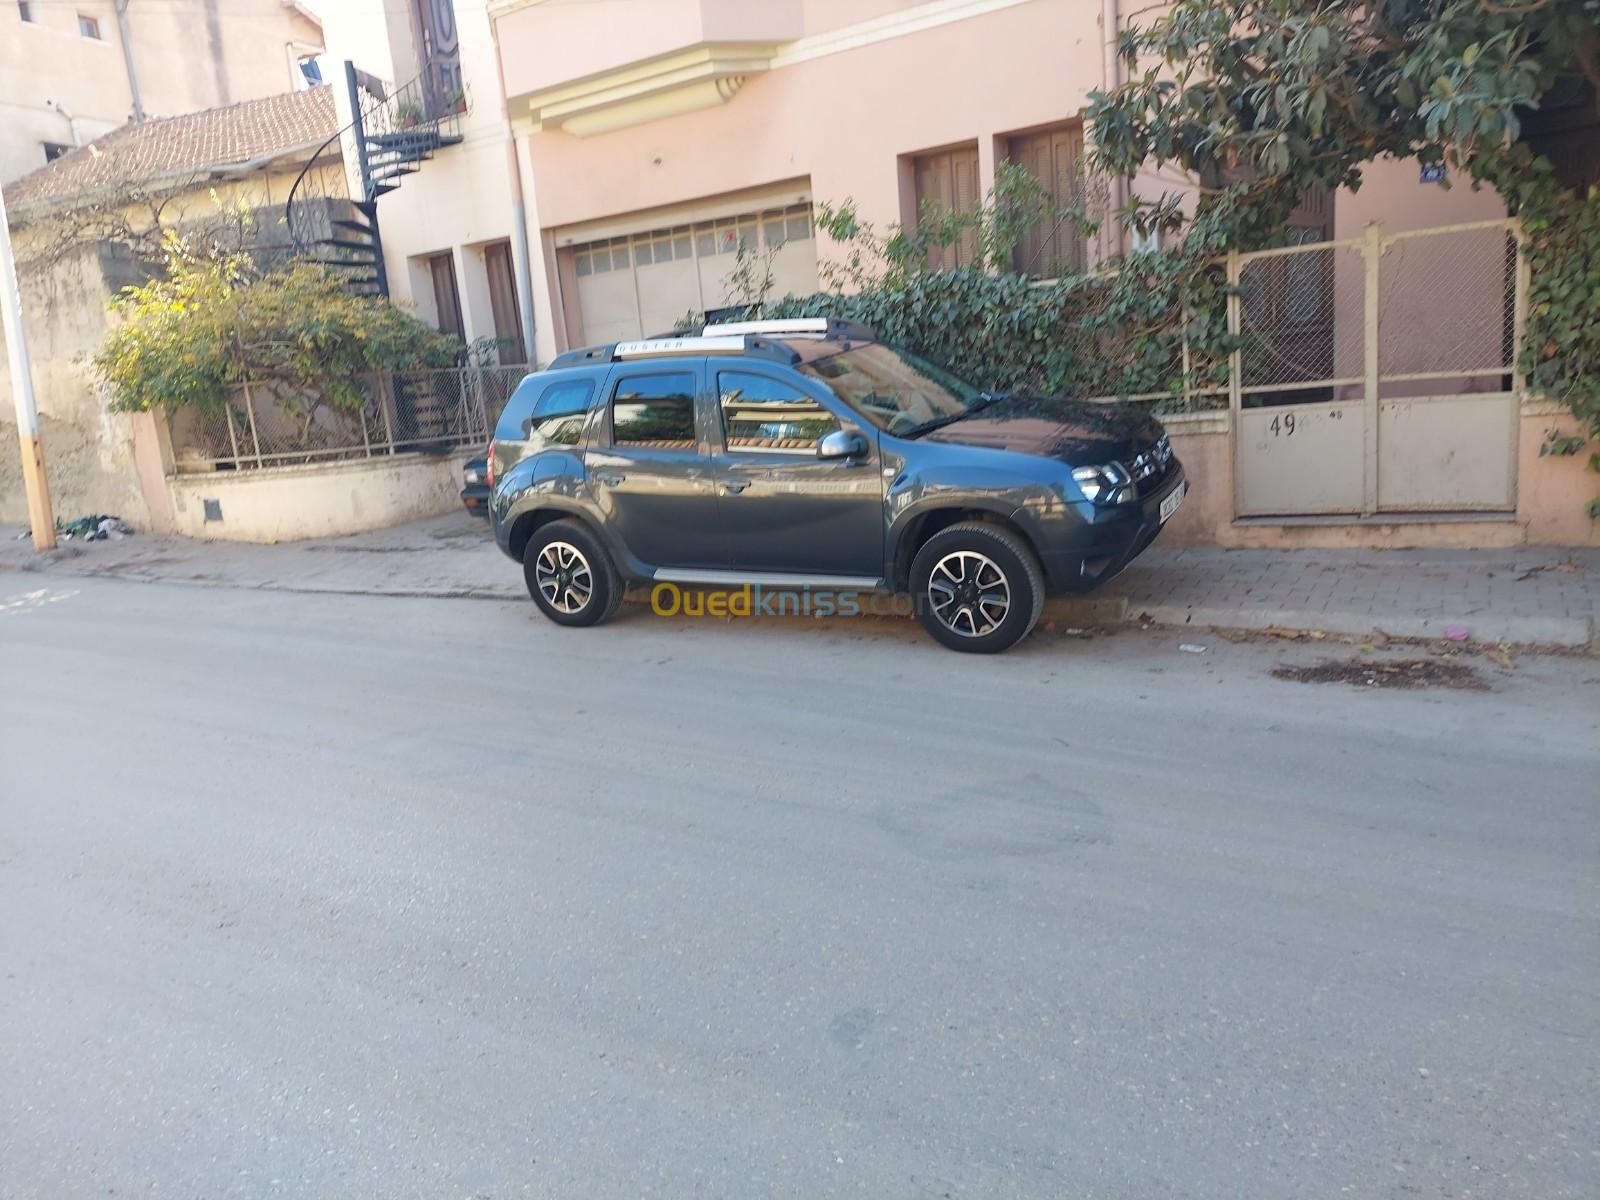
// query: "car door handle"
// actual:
[[610, 478], [732, 487]]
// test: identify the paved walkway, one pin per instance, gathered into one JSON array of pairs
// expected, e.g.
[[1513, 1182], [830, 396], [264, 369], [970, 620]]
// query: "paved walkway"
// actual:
[[1522, 596]]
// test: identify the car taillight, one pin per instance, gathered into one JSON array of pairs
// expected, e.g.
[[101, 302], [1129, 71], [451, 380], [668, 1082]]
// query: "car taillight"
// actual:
[[489, 464]]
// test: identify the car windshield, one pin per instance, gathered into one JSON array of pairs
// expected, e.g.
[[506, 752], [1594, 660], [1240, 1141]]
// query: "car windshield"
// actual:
[[898, 392]]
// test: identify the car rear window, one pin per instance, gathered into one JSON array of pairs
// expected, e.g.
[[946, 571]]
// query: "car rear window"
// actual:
[[558, 416]]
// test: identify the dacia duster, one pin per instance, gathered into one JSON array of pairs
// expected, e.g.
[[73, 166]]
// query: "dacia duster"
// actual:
[[808, 455]]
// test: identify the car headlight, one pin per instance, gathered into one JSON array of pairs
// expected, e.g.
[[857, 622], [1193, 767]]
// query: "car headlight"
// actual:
[[1108, 483]]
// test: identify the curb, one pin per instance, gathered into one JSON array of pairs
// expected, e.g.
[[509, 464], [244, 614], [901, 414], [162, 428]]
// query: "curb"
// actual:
[[1514, 631], [1519, 631], [1572, 632], [1079, 611]]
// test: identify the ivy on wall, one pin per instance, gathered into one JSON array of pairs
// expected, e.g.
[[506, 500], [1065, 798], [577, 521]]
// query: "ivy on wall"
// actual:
[[1118, 332]]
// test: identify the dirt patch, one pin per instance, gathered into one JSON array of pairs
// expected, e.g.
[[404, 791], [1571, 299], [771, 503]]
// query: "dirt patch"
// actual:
[[1399, 673]]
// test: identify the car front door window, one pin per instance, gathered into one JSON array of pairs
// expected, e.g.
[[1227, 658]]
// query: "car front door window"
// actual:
[[765, 415], [783, 509]]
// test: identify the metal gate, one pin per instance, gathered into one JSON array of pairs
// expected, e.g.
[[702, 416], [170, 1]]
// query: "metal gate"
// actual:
[[1377, 374]]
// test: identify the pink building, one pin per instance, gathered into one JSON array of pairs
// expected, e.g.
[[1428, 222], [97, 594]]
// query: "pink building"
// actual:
[[1378, 403], [652, 130], [647, 126]]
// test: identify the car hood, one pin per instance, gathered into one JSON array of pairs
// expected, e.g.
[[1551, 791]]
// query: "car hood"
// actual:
[[1077, 432]]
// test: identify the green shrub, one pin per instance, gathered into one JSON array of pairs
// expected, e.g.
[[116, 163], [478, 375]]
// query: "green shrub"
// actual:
[[208, 323]]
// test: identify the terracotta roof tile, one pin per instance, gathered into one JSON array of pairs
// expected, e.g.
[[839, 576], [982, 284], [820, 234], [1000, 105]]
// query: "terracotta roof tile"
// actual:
[[213, 139]]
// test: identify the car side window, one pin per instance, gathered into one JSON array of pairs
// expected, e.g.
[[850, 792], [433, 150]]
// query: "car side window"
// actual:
[[655, 410], [763, 415], [558, 417]]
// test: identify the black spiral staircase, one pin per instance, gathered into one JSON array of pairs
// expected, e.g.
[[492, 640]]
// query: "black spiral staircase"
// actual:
[[391, 133]]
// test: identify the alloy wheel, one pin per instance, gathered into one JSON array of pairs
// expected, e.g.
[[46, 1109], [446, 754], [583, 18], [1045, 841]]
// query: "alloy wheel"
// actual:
[[969, 593], [563, 576]]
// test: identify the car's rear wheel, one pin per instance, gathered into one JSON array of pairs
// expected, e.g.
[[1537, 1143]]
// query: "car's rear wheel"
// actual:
[[977, 587], [570, 576]]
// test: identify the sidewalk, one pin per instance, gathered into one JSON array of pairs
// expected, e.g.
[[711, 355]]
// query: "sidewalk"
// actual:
[[1527, 596], [1521, 596]]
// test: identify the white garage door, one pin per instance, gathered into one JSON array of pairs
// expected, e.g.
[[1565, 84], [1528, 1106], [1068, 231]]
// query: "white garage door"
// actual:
[[643, 283]]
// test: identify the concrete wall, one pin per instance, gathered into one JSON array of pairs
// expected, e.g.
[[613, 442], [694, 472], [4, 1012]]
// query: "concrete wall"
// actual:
[[324, 500], [1553, 494], [1552, 497], [1392, 192], [89, 451], [58, 86]]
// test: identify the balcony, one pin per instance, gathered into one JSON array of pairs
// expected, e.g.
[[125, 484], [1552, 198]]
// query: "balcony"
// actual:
[[588, 68]]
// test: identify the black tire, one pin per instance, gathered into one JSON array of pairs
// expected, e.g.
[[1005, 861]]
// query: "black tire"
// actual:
[[978, 563], [575, 556]]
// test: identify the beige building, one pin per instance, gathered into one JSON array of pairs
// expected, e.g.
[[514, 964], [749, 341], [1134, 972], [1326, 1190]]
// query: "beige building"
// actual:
[[72, 72]]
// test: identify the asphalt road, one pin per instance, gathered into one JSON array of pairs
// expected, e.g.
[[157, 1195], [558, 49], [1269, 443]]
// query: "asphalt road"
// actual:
[[317, 896]]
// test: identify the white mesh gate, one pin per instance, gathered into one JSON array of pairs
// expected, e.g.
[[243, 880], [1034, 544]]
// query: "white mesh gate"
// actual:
[[1377, 374]]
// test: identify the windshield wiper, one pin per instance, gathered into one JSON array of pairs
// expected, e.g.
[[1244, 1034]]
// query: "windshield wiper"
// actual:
[[981, 401]]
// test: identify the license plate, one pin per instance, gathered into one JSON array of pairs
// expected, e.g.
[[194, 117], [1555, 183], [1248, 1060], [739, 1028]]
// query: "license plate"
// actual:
[[1170, 504]]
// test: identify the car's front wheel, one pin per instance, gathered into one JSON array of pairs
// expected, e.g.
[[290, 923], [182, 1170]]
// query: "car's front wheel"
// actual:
[[570, 575], [977, 587]]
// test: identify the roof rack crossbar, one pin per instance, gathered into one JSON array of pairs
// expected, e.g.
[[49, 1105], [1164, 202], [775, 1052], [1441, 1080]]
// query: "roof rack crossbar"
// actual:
[[668, 347], [804, 327]]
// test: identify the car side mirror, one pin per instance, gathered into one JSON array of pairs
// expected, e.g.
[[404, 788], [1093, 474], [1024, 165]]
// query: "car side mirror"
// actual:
[[842, 443]]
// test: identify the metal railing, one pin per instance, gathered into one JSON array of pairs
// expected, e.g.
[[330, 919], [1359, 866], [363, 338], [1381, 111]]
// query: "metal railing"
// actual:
[[1438, 306], [1434, 308], [427, 109], [391, 128], [261, 426]]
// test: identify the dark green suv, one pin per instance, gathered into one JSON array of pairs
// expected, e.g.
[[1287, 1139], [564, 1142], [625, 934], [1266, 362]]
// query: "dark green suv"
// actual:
[[807, 455]]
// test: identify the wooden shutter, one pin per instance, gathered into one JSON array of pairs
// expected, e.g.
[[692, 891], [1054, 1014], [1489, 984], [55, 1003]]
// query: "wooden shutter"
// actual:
[[949, 180], [503, 303], [446, 297], [1051, 156]]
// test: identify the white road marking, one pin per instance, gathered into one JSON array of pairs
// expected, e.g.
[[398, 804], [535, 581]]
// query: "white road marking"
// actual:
[[38, 599]]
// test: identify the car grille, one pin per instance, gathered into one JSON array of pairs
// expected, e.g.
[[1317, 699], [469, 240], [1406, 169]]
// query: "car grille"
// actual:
[[1150, 466]]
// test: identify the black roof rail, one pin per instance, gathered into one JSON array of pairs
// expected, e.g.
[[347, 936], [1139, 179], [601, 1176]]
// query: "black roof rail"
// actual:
[[853, 330], [582, 356]]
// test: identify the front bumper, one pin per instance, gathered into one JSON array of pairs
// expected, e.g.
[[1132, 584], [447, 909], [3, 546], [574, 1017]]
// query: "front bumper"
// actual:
[[1092, 544], [475, 497]]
